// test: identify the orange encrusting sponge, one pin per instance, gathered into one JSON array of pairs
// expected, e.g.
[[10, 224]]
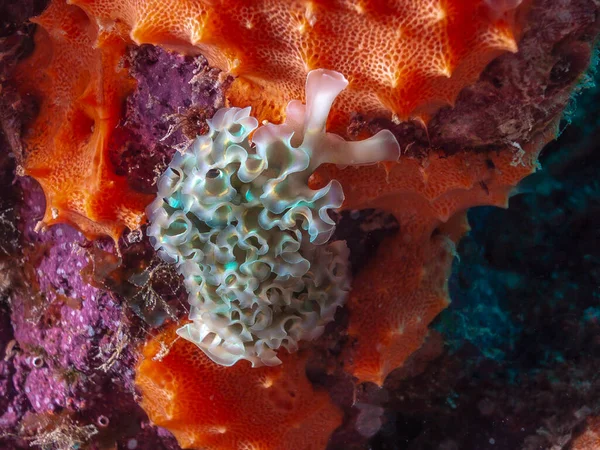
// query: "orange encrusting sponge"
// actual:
[[403, 288], [590, 438], [211, 407], [403, 58], [75, 73]]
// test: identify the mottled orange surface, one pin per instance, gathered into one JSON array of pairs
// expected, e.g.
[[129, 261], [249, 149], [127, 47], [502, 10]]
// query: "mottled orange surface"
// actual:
[[403, 58], [212, 407], [77, 77], [395, 298], [590, 438]]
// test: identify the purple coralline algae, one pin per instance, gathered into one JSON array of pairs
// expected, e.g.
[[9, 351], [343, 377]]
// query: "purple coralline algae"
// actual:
[[69, 366], [174, 97]]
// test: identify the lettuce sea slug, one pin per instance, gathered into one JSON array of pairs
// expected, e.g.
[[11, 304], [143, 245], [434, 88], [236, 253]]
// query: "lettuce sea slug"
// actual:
[[236, 215]]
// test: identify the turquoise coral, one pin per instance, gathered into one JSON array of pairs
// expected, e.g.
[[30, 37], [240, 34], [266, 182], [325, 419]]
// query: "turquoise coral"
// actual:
[[236, 216]]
